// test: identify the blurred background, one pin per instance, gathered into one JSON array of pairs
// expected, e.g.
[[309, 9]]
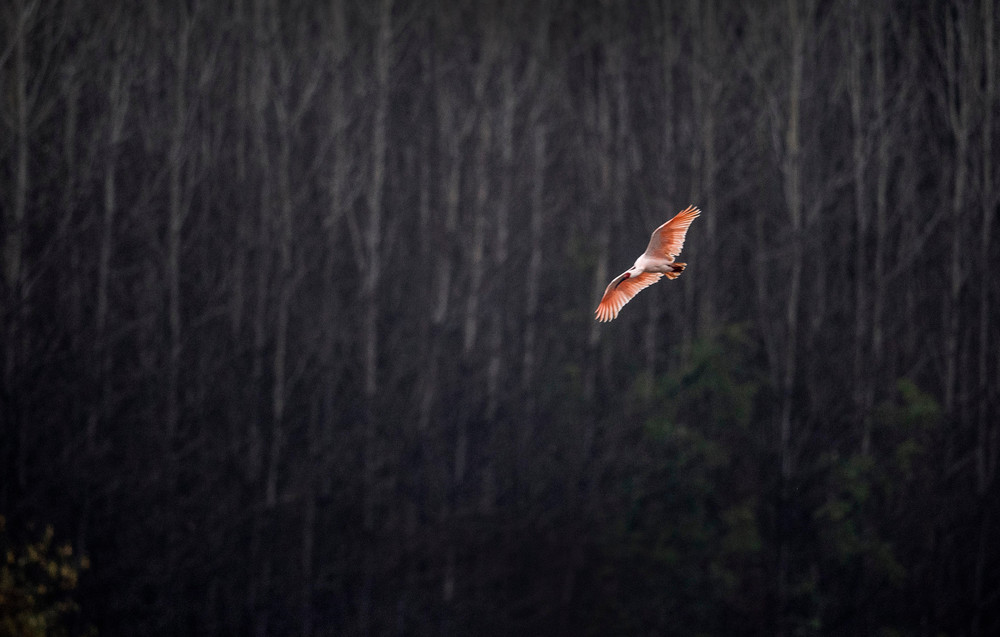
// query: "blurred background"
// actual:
[[298, 331]]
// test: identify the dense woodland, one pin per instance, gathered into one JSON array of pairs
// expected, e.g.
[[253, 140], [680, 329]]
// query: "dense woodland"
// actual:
[[297, 309]]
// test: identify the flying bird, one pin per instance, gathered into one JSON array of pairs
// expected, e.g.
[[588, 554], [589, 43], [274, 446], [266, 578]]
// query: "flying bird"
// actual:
[[658, 259]]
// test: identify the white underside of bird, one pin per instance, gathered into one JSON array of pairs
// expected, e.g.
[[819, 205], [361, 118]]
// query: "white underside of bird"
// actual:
[[657, 261]]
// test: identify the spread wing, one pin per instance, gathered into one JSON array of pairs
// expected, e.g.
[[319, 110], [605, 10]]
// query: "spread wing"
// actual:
[[668, 239], [621, 290]]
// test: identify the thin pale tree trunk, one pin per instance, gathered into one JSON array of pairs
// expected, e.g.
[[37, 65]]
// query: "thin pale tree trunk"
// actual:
[[792, 176], [858, 90], [177, 212], [707, 88], [987, 429], [13, 240], [958, 111], [988, 434], [882, 168], [119, 101], [370, 279], [494, 371], [532, 283], [259, 95]]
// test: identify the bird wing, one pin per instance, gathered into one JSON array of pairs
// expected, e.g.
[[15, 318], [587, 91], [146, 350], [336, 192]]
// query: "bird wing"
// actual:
[[668, 239], [621, 290]]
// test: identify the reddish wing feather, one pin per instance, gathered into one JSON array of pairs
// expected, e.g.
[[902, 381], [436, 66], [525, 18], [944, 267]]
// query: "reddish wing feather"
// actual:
[[668, 240], [615, 298]]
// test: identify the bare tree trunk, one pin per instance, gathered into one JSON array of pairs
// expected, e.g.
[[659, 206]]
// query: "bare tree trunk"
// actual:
[[118, 95], [669, 53], [988, 435], [987, 429], [442, 281], [602, 123], [792, 174], [707, 89], [454, 127], [882, 168], [13, 240], [70, 92], [501, 239], [858, 90], [477, 245], [241, 154], [14, 215], [307, 559], [532, 289], [370, 279], [177, 212], [284, 285], [261, 89], [609, 219], [376, 191], [958, 111], [73, 294], [324, 452], [290, 102], [870, 164]]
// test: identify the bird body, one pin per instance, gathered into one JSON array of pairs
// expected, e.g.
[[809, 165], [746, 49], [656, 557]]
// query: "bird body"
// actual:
[[657, 261]]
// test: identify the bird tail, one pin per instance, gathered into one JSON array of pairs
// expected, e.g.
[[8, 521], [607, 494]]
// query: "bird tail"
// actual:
[[677, 269]]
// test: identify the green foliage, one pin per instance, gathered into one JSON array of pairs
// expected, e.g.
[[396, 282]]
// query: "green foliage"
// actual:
[[902, 427], [691, 541], [718, 386], [699, 531], [37, 581], [863, 519]]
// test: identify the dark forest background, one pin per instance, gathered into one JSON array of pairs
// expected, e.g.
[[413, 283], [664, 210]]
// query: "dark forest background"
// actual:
[[297, 314]]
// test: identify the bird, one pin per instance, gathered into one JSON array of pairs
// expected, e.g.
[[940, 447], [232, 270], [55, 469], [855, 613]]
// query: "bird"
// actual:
[[658, 260]]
